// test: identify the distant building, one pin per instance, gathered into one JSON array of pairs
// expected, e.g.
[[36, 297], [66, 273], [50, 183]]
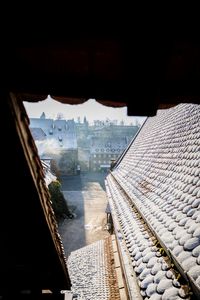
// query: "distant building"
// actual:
[[100, 144], [57, 140], [116, 131], [104, 150], [69, 144], [84, 158]]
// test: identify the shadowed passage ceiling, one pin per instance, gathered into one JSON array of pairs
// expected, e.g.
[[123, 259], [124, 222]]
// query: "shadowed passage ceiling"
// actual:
[[143, 71]]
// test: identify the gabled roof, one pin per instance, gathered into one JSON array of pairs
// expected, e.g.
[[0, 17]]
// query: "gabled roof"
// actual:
[[60, 134], [154, 194]]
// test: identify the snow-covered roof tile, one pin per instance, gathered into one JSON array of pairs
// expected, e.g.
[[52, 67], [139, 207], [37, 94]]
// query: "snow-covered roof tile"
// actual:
[[154, 271], [90, 275], [160, 174]]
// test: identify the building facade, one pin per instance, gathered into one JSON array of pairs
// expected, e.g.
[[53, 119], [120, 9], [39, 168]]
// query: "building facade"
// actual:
[[57, 140], [104, 151], [69, 144], [102, 143]]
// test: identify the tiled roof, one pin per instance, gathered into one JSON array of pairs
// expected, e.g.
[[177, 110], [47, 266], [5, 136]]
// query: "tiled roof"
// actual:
[[41, 123], [90, 272], [99, 144], [154, 192], [60, 134]]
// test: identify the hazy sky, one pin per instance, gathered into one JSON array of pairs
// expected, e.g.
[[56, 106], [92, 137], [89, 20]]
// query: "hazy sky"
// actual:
[[91, 109]]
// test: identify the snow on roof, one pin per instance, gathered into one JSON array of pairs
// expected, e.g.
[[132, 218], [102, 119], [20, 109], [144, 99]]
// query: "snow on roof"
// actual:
[[89, 272], [41, 123], [99, 144], [60, 134], [158, 183]]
